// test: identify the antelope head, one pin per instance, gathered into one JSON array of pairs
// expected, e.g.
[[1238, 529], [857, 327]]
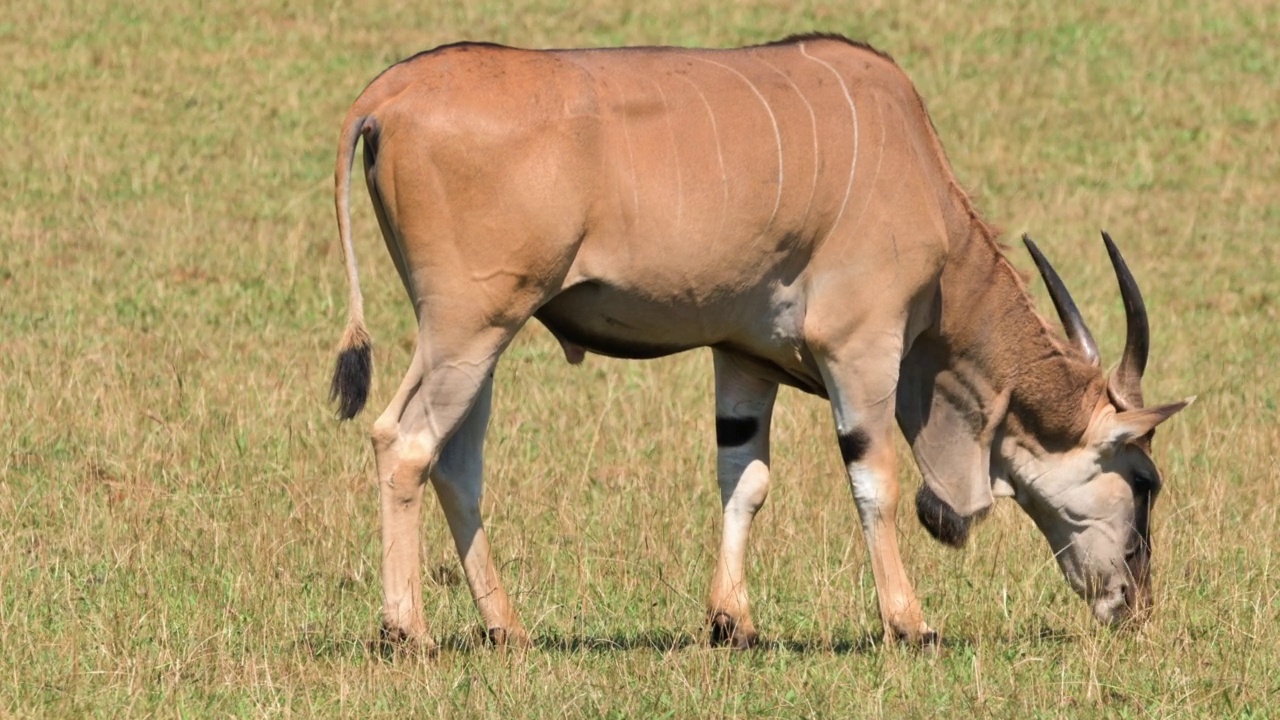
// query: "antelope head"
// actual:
[[1092, 498]]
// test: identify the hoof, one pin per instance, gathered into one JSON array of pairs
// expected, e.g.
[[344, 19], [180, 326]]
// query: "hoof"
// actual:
[[926, 639], [508, 638], [397, 638], [726, 632]]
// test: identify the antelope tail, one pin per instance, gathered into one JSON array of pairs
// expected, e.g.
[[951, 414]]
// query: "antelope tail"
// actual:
[[353, 371]]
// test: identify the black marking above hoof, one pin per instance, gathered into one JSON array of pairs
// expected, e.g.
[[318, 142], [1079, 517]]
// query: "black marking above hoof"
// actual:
[[726, 633], [944, 524], [853, 445], [735, 431]]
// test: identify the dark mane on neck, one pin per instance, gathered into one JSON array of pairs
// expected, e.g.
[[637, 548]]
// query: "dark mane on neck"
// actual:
[[1054, 386]]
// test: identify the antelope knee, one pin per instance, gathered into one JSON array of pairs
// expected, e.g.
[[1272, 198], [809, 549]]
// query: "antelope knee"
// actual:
[[384, 434]]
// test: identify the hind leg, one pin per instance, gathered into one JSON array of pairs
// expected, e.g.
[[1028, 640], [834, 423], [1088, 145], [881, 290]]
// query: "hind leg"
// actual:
[[480, 247], [412, 441], [401, 465], [458, 479]]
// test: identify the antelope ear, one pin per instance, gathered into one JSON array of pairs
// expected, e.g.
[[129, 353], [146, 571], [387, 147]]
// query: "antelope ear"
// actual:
[[951, 435], [1130, 425]]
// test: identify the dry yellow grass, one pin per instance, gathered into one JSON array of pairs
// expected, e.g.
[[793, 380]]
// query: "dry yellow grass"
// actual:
[[185, 530]]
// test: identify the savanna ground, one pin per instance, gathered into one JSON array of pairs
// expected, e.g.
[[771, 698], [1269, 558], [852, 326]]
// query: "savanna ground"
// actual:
[[186, 530]]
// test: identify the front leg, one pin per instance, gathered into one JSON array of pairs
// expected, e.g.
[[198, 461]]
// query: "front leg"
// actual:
[[862, 398], [744, 406], [873, 477]]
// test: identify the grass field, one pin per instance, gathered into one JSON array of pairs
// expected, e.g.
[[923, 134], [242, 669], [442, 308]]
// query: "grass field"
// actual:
[[186, 530]]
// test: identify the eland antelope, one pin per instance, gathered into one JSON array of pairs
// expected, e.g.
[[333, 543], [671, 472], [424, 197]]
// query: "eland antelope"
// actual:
[[790, 207]]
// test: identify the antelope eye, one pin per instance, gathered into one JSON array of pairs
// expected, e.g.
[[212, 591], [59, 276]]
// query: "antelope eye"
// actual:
[[1142, 483]]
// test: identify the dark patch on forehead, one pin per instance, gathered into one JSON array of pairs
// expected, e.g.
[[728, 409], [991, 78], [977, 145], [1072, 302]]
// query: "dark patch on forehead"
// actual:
[[1142, 518], [1145, 491], [944, 524], [1145, 474], [735, 431], [1135, 466], [853, 445]]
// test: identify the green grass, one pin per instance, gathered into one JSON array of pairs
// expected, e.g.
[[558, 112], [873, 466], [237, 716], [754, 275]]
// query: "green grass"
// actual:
[[185, 530]]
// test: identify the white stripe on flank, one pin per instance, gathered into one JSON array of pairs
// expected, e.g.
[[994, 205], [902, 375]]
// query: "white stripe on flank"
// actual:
[[813, 126], [631, 157], [879, 162], [777, 133], [724, 174], [675, 152], [853, 110]]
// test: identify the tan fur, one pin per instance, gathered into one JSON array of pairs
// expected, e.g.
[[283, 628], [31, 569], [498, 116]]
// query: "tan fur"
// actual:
[[788, 205]]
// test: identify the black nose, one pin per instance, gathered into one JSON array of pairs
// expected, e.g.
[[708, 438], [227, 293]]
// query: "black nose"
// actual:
[[1129, 598]]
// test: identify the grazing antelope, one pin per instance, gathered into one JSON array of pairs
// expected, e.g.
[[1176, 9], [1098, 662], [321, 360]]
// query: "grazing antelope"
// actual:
[[789, 206]]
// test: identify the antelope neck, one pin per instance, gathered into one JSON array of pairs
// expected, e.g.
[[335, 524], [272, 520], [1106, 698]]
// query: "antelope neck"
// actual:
[[994, 338]]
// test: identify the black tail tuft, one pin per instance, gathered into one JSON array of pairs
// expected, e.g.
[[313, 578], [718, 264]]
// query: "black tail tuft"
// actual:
[[944, 524], [352, 375]]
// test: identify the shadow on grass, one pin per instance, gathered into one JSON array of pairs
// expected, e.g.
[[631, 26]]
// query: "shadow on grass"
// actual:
[[658, 640], [865, 644], [477, 641], [661, 641]]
